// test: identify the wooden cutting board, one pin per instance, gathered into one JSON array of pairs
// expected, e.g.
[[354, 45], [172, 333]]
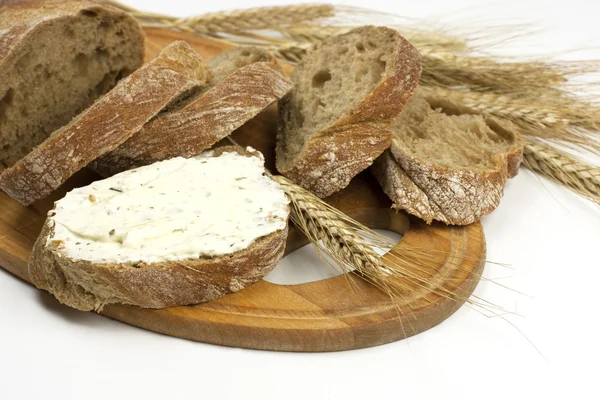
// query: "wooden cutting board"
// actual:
[[326, 315]]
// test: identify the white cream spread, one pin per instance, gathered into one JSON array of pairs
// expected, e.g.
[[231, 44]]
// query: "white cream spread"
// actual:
[[171, 210]]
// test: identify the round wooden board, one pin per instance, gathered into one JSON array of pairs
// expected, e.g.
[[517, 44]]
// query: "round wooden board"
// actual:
[[328, 315]]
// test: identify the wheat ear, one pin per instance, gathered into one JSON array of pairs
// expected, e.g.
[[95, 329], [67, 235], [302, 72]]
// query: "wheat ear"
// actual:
[[351, 245], [234, 21], [444, 68], [563, 168]]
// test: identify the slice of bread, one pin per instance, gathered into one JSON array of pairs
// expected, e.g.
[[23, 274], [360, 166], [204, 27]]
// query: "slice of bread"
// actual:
[[56, 59], [446, 166], [335, 121], [245, 81], [106, 124], [155, 247]]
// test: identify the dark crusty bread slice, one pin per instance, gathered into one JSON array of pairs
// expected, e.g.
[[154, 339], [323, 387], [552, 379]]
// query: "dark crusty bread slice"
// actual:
[[445, 166], [89, 286], [245, 81], [56, 58], [106, 124], [334, 123]]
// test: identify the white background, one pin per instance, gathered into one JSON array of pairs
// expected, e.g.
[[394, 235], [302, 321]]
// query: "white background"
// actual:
[[549, 236]]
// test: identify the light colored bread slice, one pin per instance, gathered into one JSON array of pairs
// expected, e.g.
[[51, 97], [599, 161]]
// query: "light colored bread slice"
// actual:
[[245, 81], [106, 124], [449, 107], [89, 284], [446, 167], [56, 58], [335, 121]]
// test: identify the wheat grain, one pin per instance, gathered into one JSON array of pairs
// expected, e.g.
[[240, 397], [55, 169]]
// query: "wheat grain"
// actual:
[[563, 168]]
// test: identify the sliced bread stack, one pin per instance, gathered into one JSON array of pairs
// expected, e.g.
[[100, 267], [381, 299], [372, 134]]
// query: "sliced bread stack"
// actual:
[[173, 74], [56, 59], [447, 166], [156, 236], [245, 81], [176, 105], [335, 121]]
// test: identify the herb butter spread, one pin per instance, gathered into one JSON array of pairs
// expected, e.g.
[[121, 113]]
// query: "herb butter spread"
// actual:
[[171, 210]]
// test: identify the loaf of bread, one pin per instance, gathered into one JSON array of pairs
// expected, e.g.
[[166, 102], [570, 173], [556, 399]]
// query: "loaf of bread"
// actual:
[[177, 232], [335, 121], [447, 167], [174, 73], [56, 59], [245, 81]]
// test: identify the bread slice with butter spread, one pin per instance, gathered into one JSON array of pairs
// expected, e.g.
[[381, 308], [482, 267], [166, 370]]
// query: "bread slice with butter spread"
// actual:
[[165, 234]]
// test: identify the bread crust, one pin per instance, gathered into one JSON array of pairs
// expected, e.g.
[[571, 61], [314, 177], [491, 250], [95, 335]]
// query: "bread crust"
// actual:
[[453, 196], [89, 286], [365, 126], [18, 18], [200, 124], [514, 157], [106, 124], [329, 162]]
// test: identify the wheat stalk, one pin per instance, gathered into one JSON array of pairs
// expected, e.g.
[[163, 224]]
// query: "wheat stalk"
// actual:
[[351, 245], [443, 68], [234, 21], [563, 168]]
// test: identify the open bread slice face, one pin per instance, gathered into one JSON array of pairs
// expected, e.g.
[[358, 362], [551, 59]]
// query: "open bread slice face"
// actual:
[[447, 167], [180, 231], [333, 124], [56, 58]]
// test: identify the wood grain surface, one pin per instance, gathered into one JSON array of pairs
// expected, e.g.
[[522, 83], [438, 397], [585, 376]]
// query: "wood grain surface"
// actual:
[[326, 315]]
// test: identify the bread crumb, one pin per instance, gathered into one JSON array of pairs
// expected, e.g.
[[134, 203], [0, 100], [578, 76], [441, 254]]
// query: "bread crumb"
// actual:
[[235, 285], [56, 244], [330, 156], [315, 173]]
